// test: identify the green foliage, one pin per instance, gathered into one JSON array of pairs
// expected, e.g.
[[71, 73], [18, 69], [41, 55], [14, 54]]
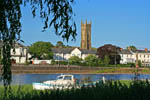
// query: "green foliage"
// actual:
[[139, 63], [132, 48], [10, 28], [75, 60], [126, 65], [53, 13], [59, 44], [112, 90], [41, 50], [0, 53], [106, 60], [92, 60], [60, 62], [93, 48]]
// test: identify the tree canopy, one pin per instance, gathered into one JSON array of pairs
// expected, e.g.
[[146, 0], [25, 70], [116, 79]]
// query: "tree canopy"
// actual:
[[91, 60], [56, 13], [59, 44], [41, 50], [131, 48], [111, 51], [75, 60], [106, 60]]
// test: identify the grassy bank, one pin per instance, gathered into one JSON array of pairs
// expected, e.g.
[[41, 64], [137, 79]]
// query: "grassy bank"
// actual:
[[124, 70], [112, 90], [50, 69]]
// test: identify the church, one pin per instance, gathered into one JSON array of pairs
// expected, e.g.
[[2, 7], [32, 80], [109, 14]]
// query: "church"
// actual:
[[63, 54], [86, 35]]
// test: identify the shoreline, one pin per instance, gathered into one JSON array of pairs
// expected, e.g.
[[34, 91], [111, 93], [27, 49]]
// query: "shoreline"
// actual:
[[75, 72], [53, 69], [83, 73]]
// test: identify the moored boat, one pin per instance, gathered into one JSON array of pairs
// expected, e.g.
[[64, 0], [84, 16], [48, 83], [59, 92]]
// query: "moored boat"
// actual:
[[63, 82]]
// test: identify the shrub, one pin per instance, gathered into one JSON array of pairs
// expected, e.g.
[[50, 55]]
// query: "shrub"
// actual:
[[91, 60], [75, 60]]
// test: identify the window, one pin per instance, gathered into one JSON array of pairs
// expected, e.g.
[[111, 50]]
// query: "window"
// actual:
[[67, 78], [60, 78]]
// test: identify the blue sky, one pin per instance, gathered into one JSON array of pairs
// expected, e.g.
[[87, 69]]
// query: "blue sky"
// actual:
[[117, 22]]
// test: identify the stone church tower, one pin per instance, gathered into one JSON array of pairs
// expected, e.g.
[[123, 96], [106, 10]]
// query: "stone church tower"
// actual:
[[85, 35]]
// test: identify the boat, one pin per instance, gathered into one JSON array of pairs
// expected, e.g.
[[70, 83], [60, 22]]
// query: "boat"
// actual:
[[63, 82]]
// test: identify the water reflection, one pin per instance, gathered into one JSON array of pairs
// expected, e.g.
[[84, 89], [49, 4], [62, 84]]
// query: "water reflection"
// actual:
[[20, 79]]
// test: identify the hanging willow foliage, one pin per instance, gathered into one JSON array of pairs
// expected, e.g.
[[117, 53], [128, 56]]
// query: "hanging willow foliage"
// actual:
[[56, 13]]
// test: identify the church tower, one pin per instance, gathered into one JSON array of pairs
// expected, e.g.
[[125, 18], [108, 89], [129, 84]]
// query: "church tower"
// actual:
[[85, 35]]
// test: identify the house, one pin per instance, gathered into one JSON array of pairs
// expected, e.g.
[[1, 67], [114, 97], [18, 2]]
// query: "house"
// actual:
[[19, 54], [65, 53], [126, 57], [130, 56]]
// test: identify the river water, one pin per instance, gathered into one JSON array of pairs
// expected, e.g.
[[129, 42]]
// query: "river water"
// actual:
[[21, 79]]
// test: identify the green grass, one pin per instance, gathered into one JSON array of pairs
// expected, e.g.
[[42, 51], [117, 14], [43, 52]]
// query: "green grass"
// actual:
[[112, 90], [108, 70]]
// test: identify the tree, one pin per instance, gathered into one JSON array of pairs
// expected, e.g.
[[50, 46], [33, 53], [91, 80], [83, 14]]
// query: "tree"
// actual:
[[106, 60], [41, 50], [139, 63], [110, 51], [92, 60], [132, 48], [75, 60], [56, 13], [59, 44]]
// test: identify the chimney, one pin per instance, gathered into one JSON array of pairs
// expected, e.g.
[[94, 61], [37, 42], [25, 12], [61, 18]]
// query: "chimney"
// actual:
[[146, 49], [121, 49]]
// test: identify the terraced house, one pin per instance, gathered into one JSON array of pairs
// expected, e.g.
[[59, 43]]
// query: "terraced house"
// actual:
[[129, 56]]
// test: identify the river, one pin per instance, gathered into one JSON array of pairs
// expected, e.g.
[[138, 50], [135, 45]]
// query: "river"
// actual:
[[21, 79]]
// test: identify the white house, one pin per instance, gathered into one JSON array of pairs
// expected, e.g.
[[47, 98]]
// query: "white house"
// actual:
[[65, 53], [19, 54], [129, 56]]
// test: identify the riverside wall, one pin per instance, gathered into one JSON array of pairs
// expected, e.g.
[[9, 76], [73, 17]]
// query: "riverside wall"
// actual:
[[41, 69]]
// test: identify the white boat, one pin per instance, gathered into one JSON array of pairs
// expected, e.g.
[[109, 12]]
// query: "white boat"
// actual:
[[62, 82]]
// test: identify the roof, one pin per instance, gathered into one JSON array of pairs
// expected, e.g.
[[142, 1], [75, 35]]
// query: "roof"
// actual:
[[141, 51], [69, 50], [62, 50], [125, 51], [85, 51], [19, 45], [16, 44]]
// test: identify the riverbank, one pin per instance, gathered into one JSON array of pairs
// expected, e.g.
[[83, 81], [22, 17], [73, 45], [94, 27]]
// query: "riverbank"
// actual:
[[135, 90], [54, 69]]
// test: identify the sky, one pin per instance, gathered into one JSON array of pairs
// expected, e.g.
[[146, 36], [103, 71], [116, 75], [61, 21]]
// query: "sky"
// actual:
[[118, 22]]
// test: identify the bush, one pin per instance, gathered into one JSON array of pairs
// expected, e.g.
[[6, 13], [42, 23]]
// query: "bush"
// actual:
[[75, 60], [92, 60], [59, 62]]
